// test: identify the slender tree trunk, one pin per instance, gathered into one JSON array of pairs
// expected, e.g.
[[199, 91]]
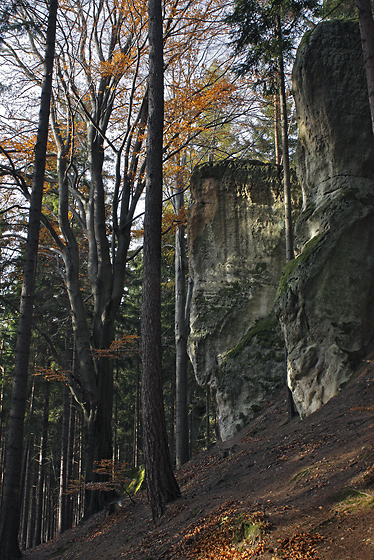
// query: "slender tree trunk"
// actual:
[[276, 130], [68, 522], [287, 199], [26, 486], [31, 519], [286, 165], [10, 512], [286, 183], [161, 484], [115, 451], [50, 507], [78, 471], [42, 468], [63, 479], [365, 18], [62, 506], [171, 426], [26, 473], [181, 362]]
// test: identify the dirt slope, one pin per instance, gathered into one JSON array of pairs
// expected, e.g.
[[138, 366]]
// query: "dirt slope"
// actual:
[[278, 490]]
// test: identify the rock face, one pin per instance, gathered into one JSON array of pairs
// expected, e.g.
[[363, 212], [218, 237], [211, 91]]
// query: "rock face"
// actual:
[[236, 251], [326, 296]]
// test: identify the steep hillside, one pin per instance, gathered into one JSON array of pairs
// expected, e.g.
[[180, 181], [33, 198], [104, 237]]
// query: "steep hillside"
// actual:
[[299, 490]]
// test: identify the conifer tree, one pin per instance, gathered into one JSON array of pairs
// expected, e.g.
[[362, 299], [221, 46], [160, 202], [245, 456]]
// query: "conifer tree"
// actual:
[[10, 511], [161, 484], [265, 34]]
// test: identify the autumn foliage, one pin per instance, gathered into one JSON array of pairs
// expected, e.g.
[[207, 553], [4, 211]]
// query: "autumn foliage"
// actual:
[[236, 532]]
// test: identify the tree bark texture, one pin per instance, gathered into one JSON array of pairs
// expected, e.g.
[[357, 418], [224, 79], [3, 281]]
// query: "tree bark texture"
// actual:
[[366, 22], [10, 512], [161, 484]]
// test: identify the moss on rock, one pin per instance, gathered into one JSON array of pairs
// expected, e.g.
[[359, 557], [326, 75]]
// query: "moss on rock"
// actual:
[[264, 330]]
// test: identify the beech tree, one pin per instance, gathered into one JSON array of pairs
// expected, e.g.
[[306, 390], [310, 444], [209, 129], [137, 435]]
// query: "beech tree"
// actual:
[[10, 510], [96, 168]]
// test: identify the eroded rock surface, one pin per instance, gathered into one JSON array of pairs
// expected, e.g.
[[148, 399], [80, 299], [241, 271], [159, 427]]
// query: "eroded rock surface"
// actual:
[[236, 251], [327, 294]]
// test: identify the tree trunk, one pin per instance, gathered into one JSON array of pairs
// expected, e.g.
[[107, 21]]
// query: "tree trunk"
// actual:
[[62, 505], [26, 487], [286, 165], [79, 502], [99, 439], [136, 446], [26, 473], [31, 520], [161, 484], [70, 465], [286, 183], [181, 361], [10, 512], [42, 468], [276, 130], [366, 22]]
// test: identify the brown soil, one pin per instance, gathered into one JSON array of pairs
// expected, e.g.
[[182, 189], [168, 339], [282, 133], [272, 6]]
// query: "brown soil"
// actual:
[[278, 490]]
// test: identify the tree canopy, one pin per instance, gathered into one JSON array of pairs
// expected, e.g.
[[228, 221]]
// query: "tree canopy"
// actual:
[[256, 35]]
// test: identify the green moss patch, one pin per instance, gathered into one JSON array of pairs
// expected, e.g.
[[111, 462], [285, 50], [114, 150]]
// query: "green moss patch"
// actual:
[[264, 330], [350, 499], [291, 266]]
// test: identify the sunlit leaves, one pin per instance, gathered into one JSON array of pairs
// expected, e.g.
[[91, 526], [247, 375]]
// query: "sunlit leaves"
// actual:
[[119, 478], [231, 532], [128, 345], [300, 546], [172, 220], [50, 374]]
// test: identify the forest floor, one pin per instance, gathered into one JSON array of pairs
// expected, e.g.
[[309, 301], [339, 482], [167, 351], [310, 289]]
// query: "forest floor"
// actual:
[[299, 490]]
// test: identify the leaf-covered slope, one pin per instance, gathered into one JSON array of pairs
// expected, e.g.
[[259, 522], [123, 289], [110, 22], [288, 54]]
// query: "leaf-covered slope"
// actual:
[[299, 490]]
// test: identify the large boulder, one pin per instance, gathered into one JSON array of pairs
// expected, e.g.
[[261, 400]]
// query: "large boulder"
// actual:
[[236, 253], [326, 296]]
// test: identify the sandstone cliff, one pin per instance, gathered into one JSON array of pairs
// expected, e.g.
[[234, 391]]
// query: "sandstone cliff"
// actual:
[[236, 251], [326, 297]]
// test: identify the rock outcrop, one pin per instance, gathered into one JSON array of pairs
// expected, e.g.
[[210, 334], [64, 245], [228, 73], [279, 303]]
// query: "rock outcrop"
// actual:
[[236, 252], [326, 296]]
